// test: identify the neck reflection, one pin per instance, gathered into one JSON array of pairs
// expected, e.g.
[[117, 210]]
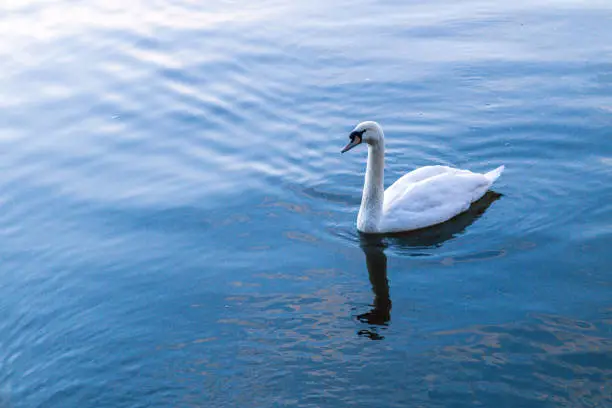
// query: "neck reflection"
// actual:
[[376, 262]]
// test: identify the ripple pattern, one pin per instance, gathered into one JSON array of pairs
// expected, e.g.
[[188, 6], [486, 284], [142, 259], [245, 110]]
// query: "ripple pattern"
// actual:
[[177, 224]]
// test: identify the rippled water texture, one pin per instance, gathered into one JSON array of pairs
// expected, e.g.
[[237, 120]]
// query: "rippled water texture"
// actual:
[[177, 224]]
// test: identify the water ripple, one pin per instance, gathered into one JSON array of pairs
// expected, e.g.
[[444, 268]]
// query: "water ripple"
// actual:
[[177, 222]]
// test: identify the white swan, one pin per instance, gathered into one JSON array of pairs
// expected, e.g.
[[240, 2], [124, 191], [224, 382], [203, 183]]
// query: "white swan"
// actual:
[[424, 197]]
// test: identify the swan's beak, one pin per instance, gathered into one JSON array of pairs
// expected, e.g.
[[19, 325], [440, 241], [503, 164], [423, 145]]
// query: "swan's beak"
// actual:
[[354, 142]]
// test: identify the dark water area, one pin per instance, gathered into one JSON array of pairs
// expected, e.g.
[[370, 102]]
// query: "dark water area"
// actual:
[[177, 224]]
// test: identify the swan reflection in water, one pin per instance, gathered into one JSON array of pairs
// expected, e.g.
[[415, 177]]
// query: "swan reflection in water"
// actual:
[[374, 245]]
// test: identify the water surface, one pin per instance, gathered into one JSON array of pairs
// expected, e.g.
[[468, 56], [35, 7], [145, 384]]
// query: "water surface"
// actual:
[[177, 224]]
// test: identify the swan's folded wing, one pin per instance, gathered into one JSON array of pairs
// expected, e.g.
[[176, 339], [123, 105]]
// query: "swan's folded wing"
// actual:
[[401, 185], [433, 200]]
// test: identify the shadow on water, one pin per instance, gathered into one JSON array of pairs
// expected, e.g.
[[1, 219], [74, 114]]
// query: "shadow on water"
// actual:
[[374, 245]]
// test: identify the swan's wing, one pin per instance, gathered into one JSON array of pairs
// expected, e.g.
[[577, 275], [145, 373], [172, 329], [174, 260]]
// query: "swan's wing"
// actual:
[[407, 181], [402, 184], [433, 200]]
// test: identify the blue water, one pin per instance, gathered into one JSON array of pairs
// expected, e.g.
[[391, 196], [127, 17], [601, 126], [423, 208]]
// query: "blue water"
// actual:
[[177, 225]]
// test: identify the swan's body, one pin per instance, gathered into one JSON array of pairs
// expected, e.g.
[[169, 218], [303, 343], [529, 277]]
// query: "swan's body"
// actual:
[[424, 197]]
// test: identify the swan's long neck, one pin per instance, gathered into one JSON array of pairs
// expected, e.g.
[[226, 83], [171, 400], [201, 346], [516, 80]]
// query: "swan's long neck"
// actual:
[[370, 211]]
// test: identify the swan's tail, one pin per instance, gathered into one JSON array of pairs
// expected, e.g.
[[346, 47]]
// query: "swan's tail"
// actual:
[[494, 174]]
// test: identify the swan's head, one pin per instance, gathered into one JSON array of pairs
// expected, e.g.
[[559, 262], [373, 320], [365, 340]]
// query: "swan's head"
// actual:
[[366, 132]]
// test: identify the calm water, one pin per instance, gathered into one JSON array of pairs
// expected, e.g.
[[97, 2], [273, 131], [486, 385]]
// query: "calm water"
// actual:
[[177, 224]]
